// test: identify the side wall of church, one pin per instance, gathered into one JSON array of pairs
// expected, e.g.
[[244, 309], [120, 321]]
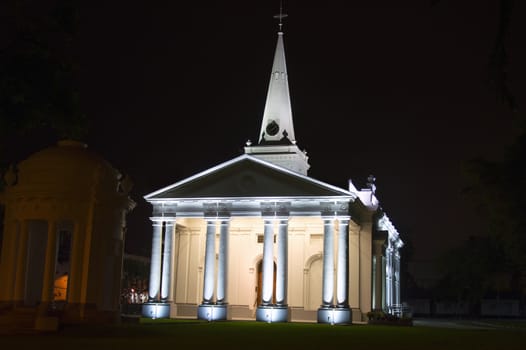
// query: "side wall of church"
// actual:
[[366, 268]]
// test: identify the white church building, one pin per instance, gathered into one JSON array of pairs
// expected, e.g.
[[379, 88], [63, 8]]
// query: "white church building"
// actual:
[[256, 238]]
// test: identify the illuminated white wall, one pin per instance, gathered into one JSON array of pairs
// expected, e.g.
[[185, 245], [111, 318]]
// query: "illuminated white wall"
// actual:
[[365, 267]]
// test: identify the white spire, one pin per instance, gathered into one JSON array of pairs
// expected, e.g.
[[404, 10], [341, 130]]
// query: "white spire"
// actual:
[[277, 117], [277, 143]]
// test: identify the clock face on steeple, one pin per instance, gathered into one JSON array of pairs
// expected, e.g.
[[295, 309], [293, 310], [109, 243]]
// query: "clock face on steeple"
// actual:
[[272, 128]]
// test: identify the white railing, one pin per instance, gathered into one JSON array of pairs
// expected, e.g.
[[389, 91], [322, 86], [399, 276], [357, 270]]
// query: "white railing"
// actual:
[[400, 310]]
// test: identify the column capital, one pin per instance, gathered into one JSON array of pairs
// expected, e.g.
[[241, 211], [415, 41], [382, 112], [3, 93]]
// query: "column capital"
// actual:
[[283, 220], [170, 223], [271, 218], [275, 218], [224, 221], [157, 219], [328, 218], [344, 218], [217, 218]]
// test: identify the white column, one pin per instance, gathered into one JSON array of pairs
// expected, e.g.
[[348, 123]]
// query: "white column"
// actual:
[[282, 263], [222, 268], [342, 292], [268, 263], [155, 262], [389, 278], [377, 296], [397, 277], [328, 262], [391, 267], [167, 260], [384, 282], [210, 258]]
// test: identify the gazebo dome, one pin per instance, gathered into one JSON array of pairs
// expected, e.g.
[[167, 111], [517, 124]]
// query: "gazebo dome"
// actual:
[[67, 165]]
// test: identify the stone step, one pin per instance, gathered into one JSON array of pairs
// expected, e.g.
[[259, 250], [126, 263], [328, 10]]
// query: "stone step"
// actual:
[[22, 318]]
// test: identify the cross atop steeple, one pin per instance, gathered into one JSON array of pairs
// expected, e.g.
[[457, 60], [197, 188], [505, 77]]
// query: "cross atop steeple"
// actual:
[[280, 16]]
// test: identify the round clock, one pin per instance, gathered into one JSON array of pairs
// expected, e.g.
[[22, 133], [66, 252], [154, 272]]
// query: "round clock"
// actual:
[[272, 128]]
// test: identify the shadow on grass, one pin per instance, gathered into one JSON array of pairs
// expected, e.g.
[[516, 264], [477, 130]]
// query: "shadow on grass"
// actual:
[[194, 334]]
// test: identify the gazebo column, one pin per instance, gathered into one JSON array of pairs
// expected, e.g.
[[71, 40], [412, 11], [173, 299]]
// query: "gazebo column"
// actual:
[[222, 268], [282, 263], [167, 261], [21, 265], [8, 255], [342, 292]]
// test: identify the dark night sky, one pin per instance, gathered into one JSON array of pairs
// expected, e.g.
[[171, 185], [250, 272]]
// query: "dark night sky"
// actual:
[[398, 89]]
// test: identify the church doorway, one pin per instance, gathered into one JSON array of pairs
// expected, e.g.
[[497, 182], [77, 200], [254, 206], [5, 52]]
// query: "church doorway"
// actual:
[[314, 285], [259, 286]]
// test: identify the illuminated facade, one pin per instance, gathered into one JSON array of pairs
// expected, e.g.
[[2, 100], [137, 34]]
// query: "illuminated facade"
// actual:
[[256, 238]]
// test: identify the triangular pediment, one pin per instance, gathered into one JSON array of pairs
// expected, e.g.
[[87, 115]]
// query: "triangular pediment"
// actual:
[[247, 176]]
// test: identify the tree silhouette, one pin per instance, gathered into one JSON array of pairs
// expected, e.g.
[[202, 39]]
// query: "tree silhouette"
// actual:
[[39, 71]]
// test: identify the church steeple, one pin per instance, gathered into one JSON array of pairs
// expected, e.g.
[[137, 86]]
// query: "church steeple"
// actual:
[[276, 140], [277, 126]]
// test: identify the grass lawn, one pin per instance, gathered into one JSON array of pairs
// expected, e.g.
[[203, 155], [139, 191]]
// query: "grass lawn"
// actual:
[[180, 334]]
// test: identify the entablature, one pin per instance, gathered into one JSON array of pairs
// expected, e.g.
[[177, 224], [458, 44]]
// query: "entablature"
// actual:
[[246, 207]]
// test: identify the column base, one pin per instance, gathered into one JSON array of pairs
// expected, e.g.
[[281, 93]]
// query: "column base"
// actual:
[[156, 310], [334, 315], [212, 312], [272, 313]]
